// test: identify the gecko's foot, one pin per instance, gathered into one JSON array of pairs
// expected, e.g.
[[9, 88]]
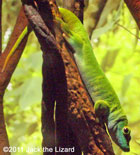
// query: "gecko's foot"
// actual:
[[102, 110], [64, 26]]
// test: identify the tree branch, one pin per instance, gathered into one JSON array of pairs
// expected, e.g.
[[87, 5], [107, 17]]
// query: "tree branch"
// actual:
[[53, 78], [134, 7], [81, 118], [6, 75], [128, 31], [0, 26]]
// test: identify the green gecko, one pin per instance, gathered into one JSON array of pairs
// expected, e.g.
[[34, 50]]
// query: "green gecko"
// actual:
[[107, 105]]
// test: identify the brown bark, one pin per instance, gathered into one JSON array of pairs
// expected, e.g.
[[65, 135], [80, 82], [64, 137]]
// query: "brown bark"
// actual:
[[76, 6], [3, 135], [134, 7], [0, 26], [6, 75], [81, 118], [80, 108]]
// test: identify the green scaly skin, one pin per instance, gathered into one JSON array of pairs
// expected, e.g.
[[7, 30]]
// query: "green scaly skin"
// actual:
[[107, 105]]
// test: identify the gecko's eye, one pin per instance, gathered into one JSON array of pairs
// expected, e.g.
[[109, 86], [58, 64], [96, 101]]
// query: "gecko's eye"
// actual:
[[126, 130]]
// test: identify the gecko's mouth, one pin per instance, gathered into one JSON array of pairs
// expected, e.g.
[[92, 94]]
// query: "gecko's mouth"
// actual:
[[124, 144], [126, 149]]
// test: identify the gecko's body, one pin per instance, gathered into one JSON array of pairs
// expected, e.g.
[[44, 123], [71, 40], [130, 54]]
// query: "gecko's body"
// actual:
[[107, 104]]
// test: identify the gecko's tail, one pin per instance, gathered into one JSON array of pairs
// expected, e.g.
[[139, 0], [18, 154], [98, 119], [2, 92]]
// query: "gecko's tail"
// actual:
[[17, 43]]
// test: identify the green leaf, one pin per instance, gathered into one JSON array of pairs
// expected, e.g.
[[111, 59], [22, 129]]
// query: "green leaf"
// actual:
[[31, 93]]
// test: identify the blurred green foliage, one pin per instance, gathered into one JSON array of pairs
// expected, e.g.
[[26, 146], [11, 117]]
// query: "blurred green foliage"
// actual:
[[117, 51], [23, 95]]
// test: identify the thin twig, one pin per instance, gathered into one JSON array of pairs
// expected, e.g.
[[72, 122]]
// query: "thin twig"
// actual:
[[128, 30]]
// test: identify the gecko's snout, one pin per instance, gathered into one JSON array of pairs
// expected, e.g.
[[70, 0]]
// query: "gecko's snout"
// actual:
[[121, 136], [126, 149]]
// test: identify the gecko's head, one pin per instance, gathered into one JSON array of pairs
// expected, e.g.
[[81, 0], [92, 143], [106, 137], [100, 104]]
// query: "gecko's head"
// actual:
[[121, 135]]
